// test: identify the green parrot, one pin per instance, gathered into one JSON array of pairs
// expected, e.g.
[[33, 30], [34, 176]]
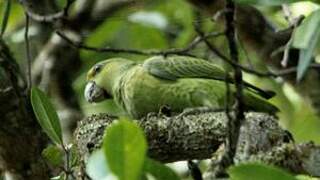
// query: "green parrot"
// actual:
[[177, 82]]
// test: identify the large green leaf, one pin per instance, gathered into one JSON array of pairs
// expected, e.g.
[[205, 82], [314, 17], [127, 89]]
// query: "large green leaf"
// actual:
[[306, 38], [159, 171], [46, 115], [258, 171], [125, 148]]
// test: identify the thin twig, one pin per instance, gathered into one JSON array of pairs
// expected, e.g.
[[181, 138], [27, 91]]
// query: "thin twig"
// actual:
[[293, 24], [67, 162], [239, 113], [27, 44], [177, 51], [184, 51], [234, 123]]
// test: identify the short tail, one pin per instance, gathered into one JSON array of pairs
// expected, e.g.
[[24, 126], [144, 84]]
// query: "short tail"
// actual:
[[255, 103]]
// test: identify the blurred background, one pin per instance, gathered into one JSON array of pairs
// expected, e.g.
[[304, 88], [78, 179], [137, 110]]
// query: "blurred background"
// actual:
[[149, 24]]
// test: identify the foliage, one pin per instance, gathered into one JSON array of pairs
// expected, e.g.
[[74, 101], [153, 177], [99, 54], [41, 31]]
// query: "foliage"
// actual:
[[306, 38], [50, 123], [46, 115], [124, 155], [124, 149]]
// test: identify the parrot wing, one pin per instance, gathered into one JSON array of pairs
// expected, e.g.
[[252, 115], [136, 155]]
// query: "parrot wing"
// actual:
[[175, 67]]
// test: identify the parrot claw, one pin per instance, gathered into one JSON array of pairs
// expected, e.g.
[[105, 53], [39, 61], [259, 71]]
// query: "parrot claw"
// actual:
[[165, 110]]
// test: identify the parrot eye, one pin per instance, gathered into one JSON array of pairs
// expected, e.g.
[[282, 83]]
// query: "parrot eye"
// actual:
[[97, 68], [94, 71]]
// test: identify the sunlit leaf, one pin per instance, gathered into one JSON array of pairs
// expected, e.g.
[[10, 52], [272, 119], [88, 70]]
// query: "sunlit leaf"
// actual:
[[258, 171], [46, 115], [125, 149], [306, 38]]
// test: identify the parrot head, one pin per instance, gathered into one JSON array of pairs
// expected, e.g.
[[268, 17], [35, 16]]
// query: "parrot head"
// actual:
[[102, 77]]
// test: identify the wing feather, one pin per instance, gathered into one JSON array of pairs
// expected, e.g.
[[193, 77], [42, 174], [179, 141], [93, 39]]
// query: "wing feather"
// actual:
[[175, 67]]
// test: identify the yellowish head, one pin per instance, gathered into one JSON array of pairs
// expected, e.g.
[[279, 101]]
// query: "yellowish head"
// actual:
[[102, 77]]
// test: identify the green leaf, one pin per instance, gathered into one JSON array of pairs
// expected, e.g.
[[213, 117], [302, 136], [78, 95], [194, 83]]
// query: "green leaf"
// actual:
[[305, 59], [258, 171], [306, 38], [159, 171], [96, 167], [5, 17], [125, 148], [304, 34], [46, 115], [53, 155]]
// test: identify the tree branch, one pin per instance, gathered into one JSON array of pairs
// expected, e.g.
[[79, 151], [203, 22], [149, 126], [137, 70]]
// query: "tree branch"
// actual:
[[22, 139], [234, 122], [198, 136]]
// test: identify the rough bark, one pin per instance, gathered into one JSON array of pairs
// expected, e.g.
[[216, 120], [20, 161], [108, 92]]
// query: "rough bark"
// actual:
[[21, 139], [198, 136]]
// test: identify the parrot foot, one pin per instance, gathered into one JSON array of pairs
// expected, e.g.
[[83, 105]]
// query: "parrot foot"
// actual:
[[165, 110], [198, 110], [194, 170]]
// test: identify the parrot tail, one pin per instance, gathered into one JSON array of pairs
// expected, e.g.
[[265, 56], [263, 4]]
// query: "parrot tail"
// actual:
[[255, 103], [267, 94]]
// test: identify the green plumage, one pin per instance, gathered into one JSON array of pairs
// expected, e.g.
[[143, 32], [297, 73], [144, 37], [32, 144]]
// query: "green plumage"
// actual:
[[177, 82]]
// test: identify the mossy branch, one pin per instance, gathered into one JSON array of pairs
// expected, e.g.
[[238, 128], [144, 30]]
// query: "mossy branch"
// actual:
[[198, 136]]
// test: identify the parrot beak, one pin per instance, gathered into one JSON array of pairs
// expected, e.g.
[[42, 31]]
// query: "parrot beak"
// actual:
[[94, 93]]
